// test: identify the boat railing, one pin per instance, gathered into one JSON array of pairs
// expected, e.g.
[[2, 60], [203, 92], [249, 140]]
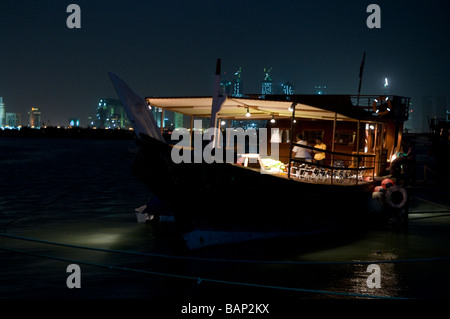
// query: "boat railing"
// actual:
[[344, 168], [400, 104]]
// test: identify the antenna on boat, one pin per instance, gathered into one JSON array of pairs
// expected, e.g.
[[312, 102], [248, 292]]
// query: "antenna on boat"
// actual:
[[361, 69], [217, 98]]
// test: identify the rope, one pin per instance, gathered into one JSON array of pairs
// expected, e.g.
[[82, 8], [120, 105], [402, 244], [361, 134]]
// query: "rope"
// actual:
[[199, 279], [433, 215], [432, 203], [445, 258]]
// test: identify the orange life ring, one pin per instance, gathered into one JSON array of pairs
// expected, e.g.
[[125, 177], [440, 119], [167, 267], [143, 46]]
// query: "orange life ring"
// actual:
[[376, 107]]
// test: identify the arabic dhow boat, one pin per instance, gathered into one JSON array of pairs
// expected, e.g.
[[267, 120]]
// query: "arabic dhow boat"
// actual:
[[259, 190]]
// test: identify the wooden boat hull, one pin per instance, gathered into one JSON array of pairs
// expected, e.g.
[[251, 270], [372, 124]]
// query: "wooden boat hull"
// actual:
[[220, 202], [226, 202]]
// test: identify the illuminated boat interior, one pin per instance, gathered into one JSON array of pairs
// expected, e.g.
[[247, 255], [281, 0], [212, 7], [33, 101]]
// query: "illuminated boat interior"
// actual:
[[362, 133]]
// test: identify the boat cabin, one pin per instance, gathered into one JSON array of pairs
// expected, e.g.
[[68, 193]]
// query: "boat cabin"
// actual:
[[361, 133]]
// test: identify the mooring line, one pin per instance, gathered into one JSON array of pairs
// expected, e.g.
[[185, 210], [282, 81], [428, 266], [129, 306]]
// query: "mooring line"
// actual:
[[127, 252], [432, 203], [199, 280], [430, 215]]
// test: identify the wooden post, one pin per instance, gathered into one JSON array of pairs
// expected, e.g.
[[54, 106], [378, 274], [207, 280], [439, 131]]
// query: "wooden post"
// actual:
[[332, 146], [162, 121], [291, 139], [192, 126], [357, 149]]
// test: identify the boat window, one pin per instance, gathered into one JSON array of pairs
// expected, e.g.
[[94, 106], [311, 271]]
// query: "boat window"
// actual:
[[248, 124], [182, 121], [345, 138], [173, 120], [313, 135], [205, 121]]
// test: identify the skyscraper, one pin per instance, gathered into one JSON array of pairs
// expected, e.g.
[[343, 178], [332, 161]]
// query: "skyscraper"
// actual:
[[13, 119], [266, 85], [111, 114], [237, 83], [2, 113], [288, 88], [413, 122], [225, 88], [35, 117]]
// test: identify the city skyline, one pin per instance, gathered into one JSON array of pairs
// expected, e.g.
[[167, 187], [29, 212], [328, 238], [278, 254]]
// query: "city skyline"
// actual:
[[170, 49]]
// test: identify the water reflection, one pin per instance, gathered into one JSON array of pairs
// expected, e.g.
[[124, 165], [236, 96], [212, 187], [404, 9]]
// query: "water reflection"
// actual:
[[101, 214], [364, 279]]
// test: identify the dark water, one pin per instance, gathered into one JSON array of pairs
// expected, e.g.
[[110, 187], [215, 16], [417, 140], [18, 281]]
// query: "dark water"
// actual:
[[82, 192]]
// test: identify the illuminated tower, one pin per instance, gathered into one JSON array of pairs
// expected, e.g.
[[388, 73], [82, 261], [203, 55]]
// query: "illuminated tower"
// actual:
[[288, 88], [13, 119], [35, 117], [111, 114], [266, 86], [225, 88], [2, 113], [237, 83]]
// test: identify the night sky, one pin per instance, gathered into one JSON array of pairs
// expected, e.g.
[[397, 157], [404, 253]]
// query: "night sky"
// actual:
[[169, 48]]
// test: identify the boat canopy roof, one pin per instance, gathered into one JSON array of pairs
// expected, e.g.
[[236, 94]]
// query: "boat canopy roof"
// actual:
[[341, 107]]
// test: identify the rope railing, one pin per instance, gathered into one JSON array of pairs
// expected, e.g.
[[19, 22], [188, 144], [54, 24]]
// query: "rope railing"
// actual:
[[333, 173]]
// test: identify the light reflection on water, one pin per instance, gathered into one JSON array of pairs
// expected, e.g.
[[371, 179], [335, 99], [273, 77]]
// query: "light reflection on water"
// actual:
[[101, 214]]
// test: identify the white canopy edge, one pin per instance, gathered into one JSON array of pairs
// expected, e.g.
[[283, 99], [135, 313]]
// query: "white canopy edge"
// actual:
[[236, 108]]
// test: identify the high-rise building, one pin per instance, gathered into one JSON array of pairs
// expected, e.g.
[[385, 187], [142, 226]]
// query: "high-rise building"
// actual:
[[35, 117], [266, 85], [225, 88], [288, 88], [13, 119], [237, 83], [413, 122], [2, 113], [111, 114]]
